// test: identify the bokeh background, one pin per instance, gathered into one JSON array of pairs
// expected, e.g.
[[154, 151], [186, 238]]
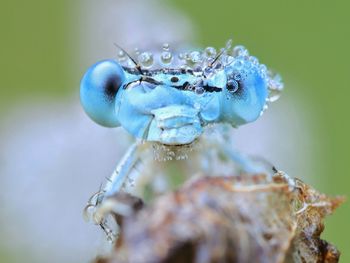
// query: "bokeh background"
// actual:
[[50, 151]]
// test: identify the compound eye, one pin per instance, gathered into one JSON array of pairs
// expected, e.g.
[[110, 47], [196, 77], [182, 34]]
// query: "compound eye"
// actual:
[[98, 91]]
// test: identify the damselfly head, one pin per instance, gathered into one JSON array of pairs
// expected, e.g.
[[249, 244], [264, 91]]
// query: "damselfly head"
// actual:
[[169, 96]]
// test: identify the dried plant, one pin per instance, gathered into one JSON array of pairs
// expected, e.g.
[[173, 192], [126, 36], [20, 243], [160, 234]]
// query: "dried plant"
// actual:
[[248, 218]]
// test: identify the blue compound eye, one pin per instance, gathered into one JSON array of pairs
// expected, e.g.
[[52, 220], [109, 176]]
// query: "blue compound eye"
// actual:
[[98, 91], [246, 94]]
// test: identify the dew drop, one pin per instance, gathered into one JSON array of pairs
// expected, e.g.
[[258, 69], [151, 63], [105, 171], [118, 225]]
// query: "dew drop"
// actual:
[[277, 79], [121, 53], [240, 51], [181, 56], [248, 65], [232, 86], [238, 64], [166, 57], [121, 56], [237, 76], [275, 88], [254, 60], [166, 46], [229, 60], [210, 52], [265, 107], [274, 95], [195, 56], [263, 69], [146, 59], [199, 90]]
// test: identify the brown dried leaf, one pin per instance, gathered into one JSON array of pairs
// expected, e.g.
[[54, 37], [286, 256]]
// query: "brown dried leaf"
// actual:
[[250, 218]]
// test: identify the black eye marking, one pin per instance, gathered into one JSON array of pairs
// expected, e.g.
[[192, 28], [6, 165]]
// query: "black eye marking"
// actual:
[[211, 88], [232, 85], [190, 71], [174, 79], [185, 85], [147, 76], [112, 86]]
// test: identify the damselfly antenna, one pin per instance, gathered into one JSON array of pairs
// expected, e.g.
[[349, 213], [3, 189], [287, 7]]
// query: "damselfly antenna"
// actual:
[[210, 65], [222, 51], [137, 65], [138, 68]]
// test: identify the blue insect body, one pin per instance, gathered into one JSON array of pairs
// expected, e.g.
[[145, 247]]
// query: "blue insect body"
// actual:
[[172, 100], [172, 105]]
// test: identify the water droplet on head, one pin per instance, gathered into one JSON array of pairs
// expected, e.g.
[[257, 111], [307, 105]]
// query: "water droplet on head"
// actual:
[[232, 86], [210, 52], [195, 56], [248, 65], [199, 90], [166, 46], [186, 56], [254, 60], [121, 53], [238, 64], [275, 87], [146, 59], [237, 76], [121, 56], [166, 57], [274, 95], [240, 51], [263, 69], [265, 107], [228, 60], [181, 56]]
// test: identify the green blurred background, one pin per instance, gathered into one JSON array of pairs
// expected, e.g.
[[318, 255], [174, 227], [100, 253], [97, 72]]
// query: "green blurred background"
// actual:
[[307, 41]]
